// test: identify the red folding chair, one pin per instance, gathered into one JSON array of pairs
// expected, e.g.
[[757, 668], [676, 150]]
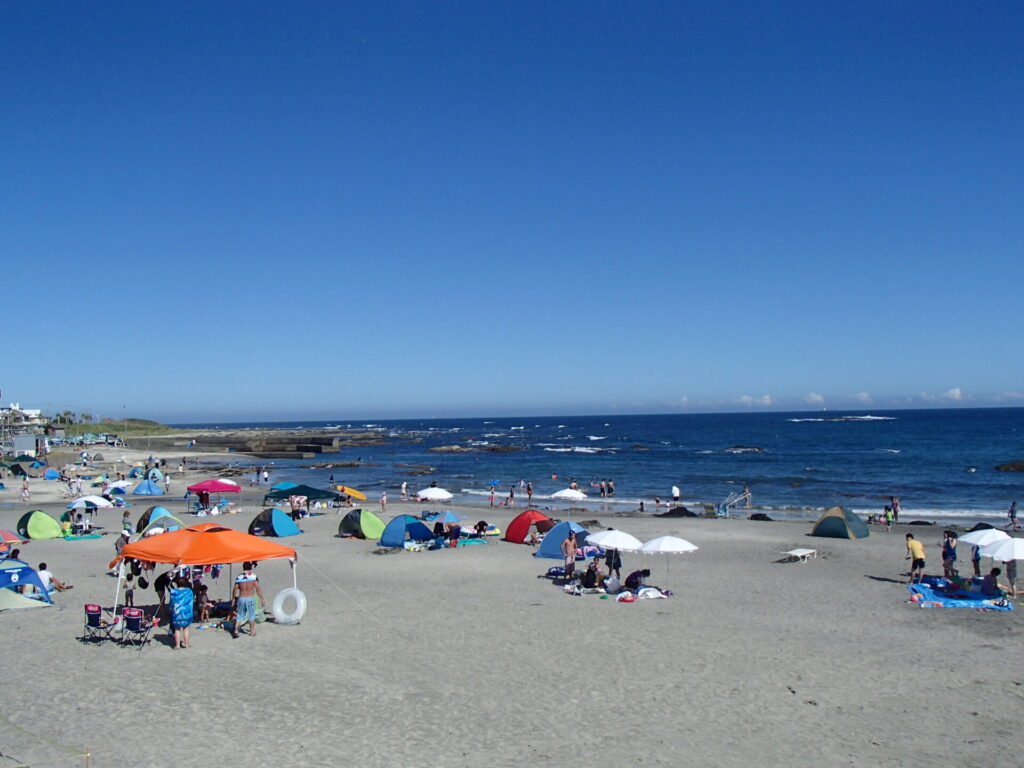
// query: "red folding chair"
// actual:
[[96, 627], [136, 628]]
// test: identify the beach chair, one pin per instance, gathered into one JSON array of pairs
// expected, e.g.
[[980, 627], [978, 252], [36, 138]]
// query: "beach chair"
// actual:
[[96, 627], [136, 628]]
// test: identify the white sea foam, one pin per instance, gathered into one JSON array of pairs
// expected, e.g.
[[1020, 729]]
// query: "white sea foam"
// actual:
[[888, 450], [846, 418], [596, 437], [517, 427]]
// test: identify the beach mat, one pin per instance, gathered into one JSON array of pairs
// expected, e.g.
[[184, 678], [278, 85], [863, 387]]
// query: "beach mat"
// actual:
[[930, 597]]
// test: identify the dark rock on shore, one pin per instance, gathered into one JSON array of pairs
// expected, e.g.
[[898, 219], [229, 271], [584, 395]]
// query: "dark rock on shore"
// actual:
[[1012, 466]]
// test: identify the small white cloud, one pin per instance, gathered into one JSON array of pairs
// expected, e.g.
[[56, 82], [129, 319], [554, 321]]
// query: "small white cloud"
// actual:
[[953, 394], [681, 402], [863, 397], [815, 399], [762, 400]]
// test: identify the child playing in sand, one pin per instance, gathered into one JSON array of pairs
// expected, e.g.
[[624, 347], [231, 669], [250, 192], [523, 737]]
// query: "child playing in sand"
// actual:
[[205, 604]]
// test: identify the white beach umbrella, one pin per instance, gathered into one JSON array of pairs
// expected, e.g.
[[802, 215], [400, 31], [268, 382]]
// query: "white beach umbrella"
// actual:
[[89, 502], [434, 494], [119, 484], [984, 537], [613, 539], [570, 494], [667, 545], [1008, 549]]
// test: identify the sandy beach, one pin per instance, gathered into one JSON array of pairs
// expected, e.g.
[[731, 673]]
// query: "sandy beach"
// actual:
[[467, 658]]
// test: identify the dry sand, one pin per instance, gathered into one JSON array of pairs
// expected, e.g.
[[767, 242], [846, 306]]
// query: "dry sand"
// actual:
[[466, 658]]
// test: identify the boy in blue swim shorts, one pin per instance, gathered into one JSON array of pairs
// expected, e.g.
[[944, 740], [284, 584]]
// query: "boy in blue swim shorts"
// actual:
[[247, 586]]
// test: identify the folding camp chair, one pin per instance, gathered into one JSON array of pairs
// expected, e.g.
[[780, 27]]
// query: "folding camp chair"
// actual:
[[96, 627], [136, 628]]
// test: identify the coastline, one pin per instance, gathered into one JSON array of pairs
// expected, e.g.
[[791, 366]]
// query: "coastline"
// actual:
[[751, 657]]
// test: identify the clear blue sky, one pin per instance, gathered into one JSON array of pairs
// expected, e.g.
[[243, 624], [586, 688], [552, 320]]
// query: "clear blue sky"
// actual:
[[344, 210]]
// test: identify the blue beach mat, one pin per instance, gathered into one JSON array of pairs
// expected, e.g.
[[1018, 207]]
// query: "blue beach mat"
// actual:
[[931, 596]]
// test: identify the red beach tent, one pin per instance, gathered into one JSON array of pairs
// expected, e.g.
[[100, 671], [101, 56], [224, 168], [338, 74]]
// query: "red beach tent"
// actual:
[[519, 528]]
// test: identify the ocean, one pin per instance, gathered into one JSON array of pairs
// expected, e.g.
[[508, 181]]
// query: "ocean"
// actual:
[[940, 463]]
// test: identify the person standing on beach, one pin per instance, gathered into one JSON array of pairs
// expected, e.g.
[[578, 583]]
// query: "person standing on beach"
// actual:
[[384, 502], [895, 508], [492, 495], [405, 492], [610, 488], [915, 553], [602, 488], [948, 547], [182, 608], [26, 492], [266, 476], [675, 494], [569, 555], [512, 496], [1011, 513], [247, 587], [888, 518], [529, 494]]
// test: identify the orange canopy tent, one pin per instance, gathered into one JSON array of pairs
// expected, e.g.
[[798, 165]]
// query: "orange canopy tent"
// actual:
[[203, 544]]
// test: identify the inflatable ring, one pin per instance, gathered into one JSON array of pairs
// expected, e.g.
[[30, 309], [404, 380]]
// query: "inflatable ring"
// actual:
[[277, 609]]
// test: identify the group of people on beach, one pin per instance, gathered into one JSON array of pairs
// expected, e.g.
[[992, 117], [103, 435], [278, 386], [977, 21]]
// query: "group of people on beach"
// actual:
[[990, 584]]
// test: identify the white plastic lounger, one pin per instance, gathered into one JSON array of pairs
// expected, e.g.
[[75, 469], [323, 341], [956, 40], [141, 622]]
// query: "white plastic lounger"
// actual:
[[802, 554]]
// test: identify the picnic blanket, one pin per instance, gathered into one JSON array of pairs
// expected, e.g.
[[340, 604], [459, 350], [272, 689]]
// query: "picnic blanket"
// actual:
[[934, 592]]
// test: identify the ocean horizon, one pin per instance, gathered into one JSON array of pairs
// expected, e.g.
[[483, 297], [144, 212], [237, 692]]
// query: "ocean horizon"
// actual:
[[941, 463]]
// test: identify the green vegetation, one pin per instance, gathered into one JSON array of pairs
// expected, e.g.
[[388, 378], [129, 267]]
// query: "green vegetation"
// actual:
[[119, 427]]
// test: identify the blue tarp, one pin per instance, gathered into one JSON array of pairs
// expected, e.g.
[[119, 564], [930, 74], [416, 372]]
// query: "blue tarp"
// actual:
[[552, 545], [402, 527], [148, 488], [970, 597]]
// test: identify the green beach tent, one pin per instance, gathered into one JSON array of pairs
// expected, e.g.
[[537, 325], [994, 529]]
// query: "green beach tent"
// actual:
[[362, 524], [39, 525], [839, 523]]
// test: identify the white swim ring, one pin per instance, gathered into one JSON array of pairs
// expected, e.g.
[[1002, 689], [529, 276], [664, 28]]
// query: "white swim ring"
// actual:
[[296, 614]]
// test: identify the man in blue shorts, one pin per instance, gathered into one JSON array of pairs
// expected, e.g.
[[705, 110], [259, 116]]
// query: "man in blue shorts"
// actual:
[[247, 586]]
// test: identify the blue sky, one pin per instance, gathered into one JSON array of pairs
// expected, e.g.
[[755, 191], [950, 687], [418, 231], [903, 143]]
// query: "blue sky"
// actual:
[[323, 209]]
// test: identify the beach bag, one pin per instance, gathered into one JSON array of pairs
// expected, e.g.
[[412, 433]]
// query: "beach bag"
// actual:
[[136, 568], [143, 582]]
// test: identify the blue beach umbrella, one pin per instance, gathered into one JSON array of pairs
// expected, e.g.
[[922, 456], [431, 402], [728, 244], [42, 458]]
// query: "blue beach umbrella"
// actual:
[[445, 517], [494, 481]]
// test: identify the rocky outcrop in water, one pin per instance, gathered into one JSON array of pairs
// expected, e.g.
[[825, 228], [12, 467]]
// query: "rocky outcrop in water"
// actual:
[[1012, 466]]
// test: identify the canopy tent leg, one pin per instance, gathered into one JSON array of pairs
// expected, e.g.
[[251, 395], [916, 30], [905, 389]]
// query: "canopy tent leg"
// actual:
[[117, 589]]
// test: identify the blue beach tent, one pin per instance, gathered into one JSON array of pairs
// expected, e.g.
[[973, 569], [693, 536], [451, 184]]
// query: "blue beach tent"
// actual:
[[14, 574], [273, 522], [552, 545], [402, 527], [148, 488], [51, 474]]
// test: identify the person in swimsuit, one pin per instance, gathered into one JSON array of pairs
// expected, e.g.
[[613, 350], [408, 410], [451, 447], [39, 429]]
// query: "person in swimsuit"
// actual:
[[948, 547], [569, 553], [1012, 514], [247, 587]]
